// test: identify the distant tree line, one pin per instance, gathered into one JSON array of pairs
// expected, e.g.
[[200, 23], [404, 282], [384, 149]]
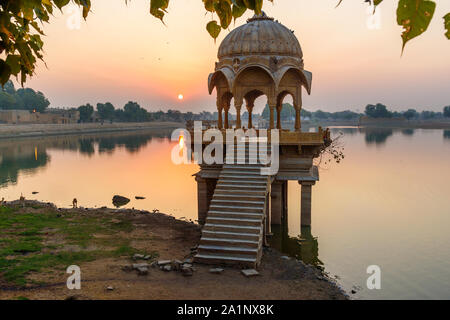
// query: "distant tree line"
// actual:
[[22, 99], [288, 114], [133, 112], [381, 111]]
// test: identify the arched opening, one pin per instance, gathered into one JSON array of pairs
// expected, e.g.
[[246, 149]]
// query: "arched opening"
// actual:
[[285, 110], [250, 98]]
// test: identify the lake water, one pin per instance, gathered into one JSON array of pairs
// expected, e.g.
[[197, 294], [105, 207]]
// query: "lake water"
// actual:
[[386, 204]]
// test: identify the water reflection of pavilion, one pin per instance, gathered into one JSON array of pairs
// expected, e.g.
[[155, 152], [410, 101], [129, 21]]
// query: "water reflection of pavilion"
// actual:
[[304, 247]]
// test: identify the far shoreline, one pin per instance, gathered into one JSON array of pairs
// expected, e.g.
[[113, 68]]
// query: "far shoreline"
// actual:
[[14, 131], [18, 131]]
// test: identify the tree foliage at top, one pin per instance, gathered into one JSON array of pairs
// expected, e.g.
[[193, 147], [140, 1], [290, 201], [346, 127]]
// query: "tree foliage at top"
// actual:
[[21, 44]]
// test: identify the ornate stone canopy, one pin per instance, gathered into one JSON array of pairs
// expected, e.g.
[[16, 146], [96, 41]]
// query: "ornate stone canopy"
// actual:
[[261, 57]]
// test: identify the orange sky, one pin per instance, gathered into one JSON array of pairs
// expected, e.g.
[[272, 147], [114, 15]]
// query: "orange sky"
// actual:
[[121, 53]]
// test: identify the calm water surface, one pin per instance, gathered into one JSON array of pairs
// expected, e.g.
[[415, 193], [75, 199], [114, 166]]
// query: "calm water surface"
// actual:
[[386, 204]]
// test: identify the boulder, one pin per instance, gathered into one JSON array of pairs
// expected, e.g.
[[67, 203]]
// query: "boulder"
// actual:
[[164, 262], [119, 201], [142, 271], [250, 273], [187, 272], [216, 270]]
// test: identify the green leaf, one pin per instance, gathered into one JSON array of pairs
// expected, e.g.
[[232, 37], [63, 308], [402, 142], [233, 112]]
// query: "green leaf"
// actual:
[[250, 4], [213, 29], [223, 10], [447, 25], [5, 72], [61, 3], [13, 61], [238, 11], [258, 6], [209, 5], [414, 16], [158, 8]]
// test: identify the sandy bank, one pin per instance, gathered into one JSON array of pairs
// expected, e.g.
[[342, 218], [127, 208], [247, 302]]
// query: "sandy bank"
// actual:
[[8, 131], [103, 241]]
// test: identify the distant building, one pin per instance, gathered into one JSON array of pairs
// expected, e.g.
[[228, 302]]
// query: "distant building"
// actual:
[[51, 116], [16, 116]]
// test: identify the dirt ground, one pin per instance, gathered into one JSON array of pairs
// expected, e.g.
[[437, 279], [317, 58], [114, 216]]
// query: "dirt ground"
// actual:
[[172, 239]]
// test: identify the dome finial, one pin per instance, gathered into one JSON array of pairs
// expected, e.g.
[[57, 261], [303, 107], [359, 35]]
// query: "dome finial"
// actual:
[[262, 16]]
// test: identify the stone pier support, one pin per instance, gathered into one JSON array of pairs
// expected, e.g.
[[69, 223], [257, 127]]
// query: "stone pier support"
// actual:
[[305, 205], [202, 198], [277, 205]]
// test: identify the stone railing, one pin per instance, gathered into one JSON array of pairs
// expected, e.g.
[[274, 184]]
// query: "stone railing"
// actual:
[[321, 137]]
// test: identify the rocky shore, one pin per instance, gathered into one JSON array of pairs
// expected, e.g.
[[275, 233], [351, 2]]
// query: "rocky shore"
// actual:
[[133, 254]]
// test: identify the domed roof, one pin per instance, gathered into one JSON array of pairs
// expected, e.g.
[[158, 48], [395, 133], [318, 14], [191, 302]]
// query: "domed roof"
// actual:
[[261, 35]]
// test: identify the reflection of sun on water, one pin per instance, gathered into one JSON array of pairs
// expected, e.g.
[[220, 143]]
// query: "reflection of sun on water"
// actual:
[[181, 142]]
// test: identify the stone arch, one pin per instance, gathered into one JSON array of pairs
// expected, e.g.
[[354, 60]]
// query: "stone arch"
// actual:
[[221, 78], [279, 106], [254, 77], [293, 77]]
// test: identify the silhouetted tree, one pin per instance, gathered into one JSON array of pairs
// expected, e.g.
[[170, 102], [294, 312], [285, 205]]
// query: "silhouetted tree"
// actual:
[[447, 112], [105, 110], [410, 114], [377, 111], [86, 112]]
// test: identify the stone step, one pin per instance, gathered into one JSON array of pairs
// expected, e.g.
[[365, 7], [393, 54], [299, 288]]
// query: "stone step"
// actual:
[[230, 171], [218, 227], [239, 197], [240, 182], [239, 203], [235, 221], [231, 235], [244, 188], [243, 251], [240, 191], [218, 259], [243, 215], [243, 176], [255, 167], [234, 208], [226, 242]]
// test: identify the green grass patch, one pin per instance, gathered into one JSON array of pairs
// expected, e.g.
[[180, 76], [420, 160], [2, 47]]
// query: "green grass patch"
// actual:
[[24, 248]]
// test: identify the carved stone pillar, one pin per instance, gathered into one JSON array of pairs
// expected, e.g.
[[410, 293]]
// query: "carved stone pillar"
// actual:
[[226, 109], [279, 117], [297, 119], [250, 111], [220, 124], [272, 124], [238, 115]]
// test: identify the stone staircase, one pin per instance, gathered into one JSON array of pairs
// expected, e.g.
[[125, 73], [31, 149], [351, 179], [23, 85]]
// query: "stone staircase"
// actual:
[[234, 228]]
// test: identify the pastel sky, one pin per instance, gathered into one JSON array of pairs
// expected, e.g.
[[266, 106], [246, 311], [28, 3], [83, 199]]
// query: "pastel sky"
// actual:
[[122, 53]]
